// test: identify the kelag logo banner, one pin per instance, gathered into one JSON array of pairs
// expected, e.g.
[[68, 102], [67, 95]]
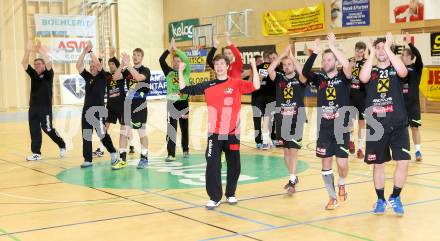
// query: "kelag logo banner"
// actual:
[[182, 30]]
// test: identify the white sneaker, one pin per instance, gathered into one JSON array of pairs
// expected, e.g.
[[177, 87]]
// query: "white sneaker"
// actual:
[[62, 152], [211, 204], [265, 147], [34, 157], [114, 158], [232, 200], [86, 164]]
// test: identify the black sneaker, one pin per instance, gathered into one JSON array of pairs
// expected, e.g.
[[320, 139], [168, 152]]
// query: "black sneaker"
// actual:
[[98, 153], [123, 156], [290, 186], [131, 150]]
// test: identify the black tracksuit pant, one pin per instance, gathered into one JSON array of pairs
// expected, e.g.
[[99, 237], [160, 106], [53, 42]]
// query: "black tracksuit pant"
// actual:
[[230, 145], [260, 108], [177, 111], [40, 118], [87, 131]]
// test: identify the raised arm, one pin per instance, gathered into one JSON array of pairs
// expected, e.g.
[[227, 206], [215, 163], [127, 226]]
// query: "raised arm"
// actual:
[[27, 52], [211, 53], [163, 63], [185, 60], [307, 69], [255, 76], [397, 63], [346, 67], [163, 58], [365, 73], [80, 61], [182, 82], [298, 67], [95, 59], [419, 62], [197, 89], [112, 52], [42, 50], [126, 62], [238, 62], [117, 75], [271, 70]]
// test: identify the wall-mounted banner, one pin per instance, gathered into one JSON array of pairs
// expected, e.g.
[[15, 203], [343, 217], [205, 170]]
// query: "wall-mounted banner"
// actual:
[[293, 21], [65, 25], [435, 44], [158, 86], [65, 35], [430, 83], [182, 30], [72, 89], [413, 10], [199, 77], [248, 52], [65, 49], [349, 13], [197, 59]]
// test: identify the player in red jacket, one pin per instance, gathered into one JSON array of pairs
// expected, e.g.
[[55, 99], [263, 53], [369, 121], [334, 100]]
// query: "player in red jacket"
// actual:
[[223, 98]]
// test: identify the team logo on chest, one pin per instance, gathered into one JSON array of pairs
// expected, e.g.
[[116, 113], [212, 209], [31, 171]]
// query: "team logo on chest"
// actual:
[[330, 92], [288, 91], [383, 85], [112, 83], [228, 91], [175, 80], [355, 72]]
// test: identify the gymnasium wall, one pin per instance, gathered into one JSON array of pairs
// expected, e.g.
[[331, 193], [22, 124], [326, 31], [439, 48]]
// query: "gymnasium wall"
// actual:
[[379, 23], [12, 32], [139, 24]]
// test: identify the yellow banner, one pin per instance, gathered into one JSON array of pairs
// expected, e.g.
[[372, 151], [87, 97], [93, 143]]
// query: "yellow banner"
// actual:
[[293, 21], [198, 77], [430, 83]]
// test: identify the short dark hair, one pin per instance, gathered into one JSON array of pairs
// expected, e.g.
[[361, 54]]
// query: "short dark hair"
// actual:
[[220, 57], [409, 52], [258, 56], [272, 52], [360, 45], [176, 56], [39, 59], [379, 40], [115, 61], [139, 50], [327, 51]]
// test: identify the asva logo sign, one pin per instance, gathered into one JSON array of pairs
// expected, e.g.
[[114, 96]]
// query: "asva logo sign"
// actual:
[[182, 30], [181, 174]]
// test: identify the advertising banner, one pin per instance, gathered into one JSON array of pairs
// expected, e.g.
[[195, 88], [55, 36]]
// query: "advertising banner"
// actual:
[[182, 30], [293, 21], [65, 35]]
